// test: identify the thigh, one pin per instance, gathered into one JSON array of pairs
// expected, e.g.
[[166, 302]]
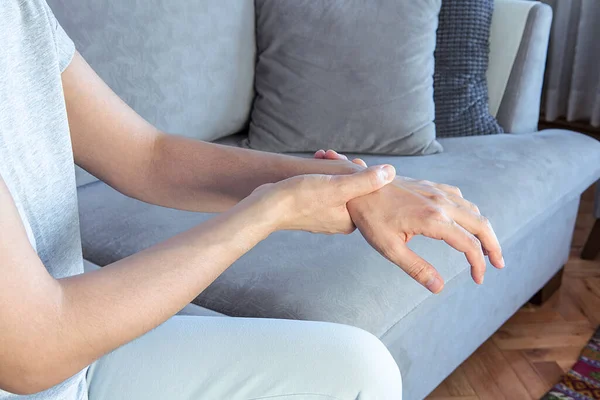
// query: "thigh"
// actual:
[[190, 358]]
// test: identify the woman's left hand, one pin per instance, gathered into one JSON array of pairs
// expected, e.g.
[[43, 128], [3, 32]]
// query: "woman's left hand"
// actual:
[[334, 155]]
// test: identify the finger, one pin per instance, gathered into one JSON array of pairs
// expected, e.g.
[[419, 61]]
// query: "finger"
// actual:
[[451, 190], [485, 234], [418, 269], [479, 226], [320, 154], [360, 161], [491, 246], [364, 182], [334, 155], [457, 237], [465, 203]]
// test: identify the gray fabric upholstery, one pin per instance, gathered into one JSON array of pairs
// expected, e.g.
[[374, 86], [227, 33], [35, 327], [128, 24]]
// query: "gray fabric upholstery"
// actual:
[[519, 110], [185, 66], [115, 226], [515, 179], [348, 75], [527, 184], [83, 177], [437, 336], [196, 310], [89, 266], [461, 62]]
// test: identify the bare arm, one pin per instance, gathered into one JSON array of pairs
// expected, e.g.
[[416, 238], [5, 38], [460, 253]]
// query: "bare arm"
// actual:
[[114, 143], [50, 329]]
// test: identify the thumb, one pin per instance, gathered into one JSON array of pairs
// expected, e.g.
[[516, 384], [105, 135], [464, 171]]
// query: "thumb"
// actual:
[[364, 182]]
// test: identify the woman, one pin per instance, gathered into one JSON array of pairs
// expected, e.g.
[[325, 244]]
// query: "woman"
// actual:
[[55, 321]]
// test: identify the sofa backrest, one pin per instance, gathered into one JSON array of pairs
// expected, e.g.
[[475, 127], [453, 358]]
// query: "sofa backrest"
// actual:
[[188, 66], [185, 66]]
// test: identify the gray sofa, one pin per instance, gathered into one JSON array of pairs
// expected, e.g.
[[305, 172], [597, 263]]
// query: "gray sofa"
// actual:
[[188, 68]]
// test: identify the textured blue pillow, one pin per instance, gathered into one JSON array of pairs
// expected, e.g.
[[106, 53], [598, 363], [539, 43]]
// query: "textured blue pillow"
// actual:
[[461, 61]]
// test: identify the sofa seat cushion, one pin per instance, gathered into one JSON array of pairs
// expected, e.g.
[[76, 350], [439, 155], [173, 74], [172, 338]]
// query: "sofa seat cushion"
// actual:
[[517, 180]]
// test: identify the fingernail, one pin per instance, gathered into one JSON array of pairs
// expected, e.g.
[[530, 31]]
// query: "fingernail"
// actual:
[[435, 285], [502, 263], [386, 172]]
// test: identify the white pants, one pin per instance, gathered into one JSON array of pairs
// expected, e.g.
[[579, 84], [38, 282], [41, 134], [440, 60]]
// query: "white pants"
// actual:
[[221, 358]]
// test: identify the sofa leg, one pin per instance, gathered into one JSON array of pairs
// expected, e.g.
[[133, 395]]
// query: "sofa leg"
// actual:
[[592, 246], [548, 290]]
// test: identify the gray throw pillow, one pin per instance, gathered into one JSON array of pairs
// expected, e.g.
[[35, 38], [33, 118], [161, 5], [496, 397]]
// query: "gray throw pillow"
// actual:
[[461, 62], [355, 76]]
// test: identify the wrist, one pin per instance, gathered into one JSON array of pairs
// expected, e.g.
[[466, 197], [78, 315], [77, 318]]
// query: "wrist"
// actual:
[[263, 212], [272, 213]]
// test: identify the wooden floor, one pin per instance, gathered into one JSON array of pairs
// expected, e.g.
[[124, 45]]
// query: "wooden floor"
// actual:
[[531, 351]]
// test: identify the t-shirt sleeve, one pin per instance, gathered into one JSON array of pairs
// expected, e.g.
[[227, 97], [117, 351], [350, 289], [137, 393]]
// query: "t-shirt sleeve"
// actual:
[[65, 47]]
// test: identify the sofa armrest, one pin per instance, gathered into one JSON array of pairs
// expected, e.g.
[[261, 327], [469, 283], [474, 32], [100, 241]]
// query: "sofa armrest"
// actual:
[[518, 48]]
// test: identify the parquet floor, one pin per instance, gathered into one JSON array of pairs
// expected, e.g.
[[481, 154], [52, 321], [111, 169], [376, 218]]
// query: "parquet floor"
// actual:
[[532, 350]]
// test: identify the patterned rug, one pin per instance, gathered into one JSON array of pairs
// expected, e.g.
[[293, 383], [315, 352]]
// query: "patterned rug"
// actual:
[[582, 382]]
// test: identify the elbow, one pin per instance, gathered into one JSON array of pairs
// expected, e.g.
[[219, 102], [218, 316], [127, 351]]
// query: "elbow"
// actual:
[[27, 379], [21, 389], [21, 384]]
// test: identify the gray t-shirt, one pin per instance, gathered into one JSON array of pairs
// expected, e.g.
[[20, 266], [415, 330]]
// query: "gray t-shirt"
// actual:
[[36, 159]]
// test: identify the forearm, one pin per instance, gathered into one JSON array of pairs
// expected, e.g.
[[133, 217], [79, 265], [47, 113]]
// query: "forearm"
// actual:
[[115, 144], [200, 176], [97, 312]]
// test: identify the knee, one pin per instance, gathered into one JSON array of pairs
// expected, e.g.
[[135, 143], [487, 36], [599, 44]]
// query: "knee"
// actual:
[[369, 364]]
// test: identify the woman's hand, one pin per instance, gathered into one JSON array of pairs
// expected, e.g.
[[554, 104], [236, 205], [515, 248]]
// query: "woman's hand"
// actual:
[[334, 155], [317, 203], [389, 218]]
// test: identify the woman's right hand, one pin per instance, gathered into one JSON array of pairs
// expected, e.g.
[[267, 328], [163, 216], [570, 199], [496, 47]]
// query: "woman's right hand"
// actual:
[[317, 203]]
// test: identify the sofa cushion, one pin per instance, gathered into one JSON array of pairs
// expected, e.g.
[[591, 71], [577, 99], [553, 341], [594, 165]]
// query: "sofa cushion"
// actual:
[[448, 327], [349, 75], [515, 179], [198, 311], [185, 66]]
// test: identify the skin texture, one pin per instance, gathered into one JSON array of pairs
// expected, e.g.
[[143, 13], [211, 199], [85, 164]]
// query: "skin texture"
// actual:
[[50, 329], [412, 207], [121, 148]]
